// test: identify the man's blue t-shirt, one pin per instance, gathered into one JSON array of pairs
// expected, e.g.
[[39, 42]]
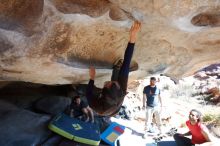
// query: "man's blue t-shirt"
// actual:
[[152, 95]]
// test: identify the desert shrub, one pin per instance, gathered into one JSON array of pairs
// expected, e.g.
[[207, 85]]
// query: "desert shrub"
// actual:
[[166, 87], [211, 118], [208, 117], [184, 91]]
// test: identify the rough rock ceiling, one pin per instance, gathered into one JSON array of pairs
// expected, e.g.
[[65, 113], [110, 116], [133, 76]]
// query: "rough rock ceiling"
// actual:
[[55, 41]]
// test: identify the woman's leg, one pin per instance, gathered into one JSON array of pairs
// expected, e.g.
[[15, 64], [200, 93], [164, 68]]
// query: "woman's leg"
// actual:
[[181, 140]]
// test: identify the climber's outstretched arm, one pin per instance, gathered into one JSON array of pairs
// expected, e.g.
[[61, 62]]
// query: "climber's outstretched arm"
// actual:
[[124, 71]]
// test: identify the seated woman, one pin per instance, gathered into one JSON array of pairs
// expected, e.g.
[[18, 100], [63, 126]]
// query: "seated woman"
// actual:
[[200, 134]]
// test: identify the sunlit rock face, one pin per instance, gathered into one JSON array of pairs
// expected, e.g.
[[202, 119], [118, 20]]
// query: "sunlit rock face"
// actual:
[[55, 41], [21, 16]]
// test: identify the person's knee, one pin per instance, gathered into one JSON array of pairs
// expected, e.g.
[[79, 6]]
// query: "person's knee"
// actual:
[[85, 111], [89, 109]]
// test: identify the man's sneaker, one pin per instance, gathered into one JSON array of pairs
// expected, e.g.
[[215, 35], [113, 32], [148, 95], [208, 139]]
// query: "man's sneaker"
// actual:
[[172, 131], [152, 129], [158, 138], [133, 66], [145, 135], [146, 132]]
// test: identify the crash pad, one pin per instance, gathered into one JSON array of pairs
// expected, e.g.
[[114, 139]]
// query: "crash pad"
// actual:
[[76, 130], [111, 134]]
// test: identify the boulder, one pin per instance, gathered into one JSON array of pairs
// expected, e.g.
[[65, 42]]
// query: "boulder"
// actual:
[[52, 105], [55, 41], [22, 127]]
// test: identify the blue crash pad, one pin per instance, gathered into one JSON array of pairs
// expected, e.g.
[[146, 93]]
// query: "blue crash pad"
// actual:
[[75, 129], [111, 134]]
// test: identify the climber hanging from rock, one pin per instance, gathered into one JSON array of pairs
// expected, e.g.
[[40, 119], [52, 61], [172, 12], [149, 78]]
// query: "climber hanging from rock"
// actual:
[[108, 100]]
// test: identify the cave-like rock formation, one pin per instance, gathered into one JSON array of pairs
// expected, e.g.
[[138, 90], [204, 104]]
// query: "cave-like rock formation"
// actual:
[[21, 16], [55, 41], [208, 18]]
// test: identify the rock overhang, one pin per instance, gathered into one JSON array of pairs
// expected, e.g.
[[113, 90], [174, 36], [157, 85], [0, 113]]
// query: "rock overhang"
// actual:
[[55, 41]]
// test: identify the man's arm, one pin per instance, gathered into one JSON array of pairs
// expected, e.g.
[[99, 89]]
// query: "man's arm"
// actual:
[[124, 70], [144, 100], [161, 104]]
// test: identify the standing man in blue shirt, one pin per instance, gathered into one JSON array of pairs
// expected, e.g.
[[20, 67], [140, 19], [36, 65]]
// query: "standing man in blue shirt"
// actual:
[[152, 103]]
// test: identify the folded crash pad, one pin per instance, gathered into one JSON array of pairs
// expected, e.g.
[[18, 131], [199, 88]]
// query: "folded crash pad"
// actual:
[[166, 143], [111, 134], [75, 129]]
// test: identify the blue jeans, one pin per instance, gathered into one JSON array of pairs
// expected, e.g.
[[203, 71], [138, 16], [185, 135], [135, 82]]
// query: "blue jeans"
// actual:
[[182, 141]]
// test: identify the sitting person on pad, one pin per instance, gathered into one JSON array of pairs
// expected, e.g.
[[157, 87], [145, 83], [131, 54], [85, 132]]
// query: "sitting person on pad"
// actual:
[[110, 98], [80, 110]]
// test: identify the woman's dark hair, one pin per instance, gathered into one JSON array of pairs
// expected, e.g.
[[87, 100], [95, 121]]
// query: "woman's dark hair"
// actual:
[[199, 114]]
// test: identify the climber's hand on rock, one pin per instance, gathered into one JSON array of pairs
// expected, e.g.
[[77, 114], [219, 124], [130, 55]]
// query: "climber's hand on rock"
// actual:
[[92, 72]]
